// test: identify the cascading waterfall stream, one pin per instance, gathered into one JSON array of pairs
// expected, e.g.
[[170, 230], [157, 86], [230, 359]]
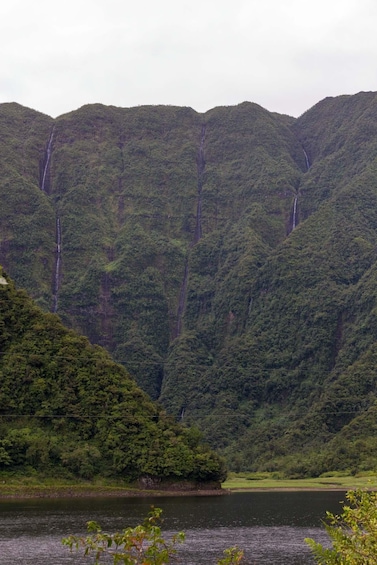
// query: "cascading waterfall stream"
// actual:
[[294, 222], [306, 159], [47, 162], [58, 230], [58, 254], [294, 214], [200, 163]]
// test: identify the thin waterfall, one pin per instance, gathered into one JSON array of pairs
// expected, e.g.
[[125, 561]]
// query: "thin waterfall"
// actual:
[[200, 164], [294, 216], [58, 258], [47, 161], [294, 222], [306, 159], [294, 213]]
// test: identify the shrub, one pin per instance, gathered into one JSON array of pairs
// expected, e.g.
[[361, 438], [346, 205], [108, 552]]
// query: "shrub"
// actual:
[[353, 533], [142, 545]]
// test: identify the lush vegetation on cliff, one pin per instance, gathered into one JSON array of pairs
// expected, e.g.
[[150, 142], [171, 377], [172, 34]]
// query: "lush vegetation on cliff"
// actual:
[[226, 259], [66, 408]]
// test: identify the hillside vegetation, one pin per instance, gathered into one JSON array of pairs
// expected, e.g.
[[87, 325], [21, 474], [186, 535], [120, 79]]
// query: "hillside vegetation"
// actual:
[[66, 409], [226, 259]]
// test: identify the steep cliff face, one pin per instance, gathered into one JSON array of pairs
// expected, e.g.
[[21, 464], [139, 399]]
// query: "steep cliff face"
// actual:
[[226, 259], [130, 193], [26, 214]]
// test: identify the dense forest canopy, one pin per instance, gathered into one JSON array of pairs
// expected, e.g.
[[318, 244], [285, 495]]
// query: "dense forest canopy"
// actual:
[[67, 409], [226, 259]]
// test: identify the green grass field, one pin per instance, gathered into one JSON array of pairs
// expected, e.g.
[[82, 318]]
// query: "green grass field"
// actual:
[[254, 481]]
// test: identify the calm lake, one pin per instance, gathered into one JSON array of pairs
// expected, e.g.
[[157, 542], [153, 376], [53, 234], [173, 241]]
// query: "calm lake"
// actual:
[[269, 526]]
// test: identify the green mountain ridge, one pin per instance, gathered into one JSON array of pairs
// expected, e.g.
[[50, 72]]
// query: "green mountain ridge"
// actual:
[[227, 259]]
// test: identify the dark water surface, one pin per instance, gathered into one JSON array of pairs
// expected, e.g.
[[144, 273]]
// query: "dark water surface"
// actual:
[[269, 526]]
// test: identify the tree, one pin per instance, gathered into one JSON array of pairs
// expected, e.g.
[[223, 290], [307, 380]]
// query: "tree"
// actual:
[[142, 545], [353, 533]]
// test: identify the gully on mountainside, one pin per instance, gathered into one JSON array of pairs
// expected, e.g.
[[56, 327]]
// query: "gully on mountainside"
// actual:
[[295, 200], [200, 162]]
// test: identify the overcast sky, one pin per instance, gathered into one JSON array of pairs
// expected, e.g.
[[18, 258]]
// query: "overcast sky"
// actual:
[[285, 55]]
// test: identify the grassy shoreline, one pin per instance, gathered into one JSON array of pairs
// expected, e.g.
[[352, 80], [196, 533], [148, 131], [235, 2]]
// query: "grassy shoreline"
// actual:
[[21, 486], [336, 481], [36, 487], [80, 491]]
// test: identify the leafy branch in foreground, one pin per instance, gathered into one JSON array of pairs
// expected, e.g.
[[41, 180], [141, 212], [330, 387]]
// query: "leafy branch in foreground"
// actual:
[[233, 555], [142, 545], [353, 533]]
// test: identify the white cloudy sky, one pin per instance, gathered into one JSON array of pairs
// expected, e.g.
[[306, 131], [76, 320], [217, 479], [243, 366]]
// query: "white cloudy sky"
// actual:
[[285, 55]]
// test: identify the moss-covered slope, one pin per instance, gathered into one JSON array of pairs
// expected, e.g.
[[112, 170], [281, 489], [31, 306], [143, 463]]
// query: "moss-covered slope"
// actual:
[[66, 408], [227, 259]]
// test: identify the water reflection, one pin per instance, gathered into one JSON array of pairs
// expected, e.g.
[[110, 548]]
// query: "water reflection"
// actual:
[[269, 526]]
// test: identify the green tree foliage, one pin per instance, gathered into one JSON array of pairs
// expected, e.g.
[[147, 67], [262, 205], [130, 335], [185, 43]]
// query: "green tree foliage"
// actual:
[[144, 544], [66, 407], [353, 533]]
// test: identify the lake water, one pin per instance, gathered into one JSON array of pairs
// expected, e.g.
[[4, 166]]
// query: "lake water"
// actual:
[[269, 526]]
